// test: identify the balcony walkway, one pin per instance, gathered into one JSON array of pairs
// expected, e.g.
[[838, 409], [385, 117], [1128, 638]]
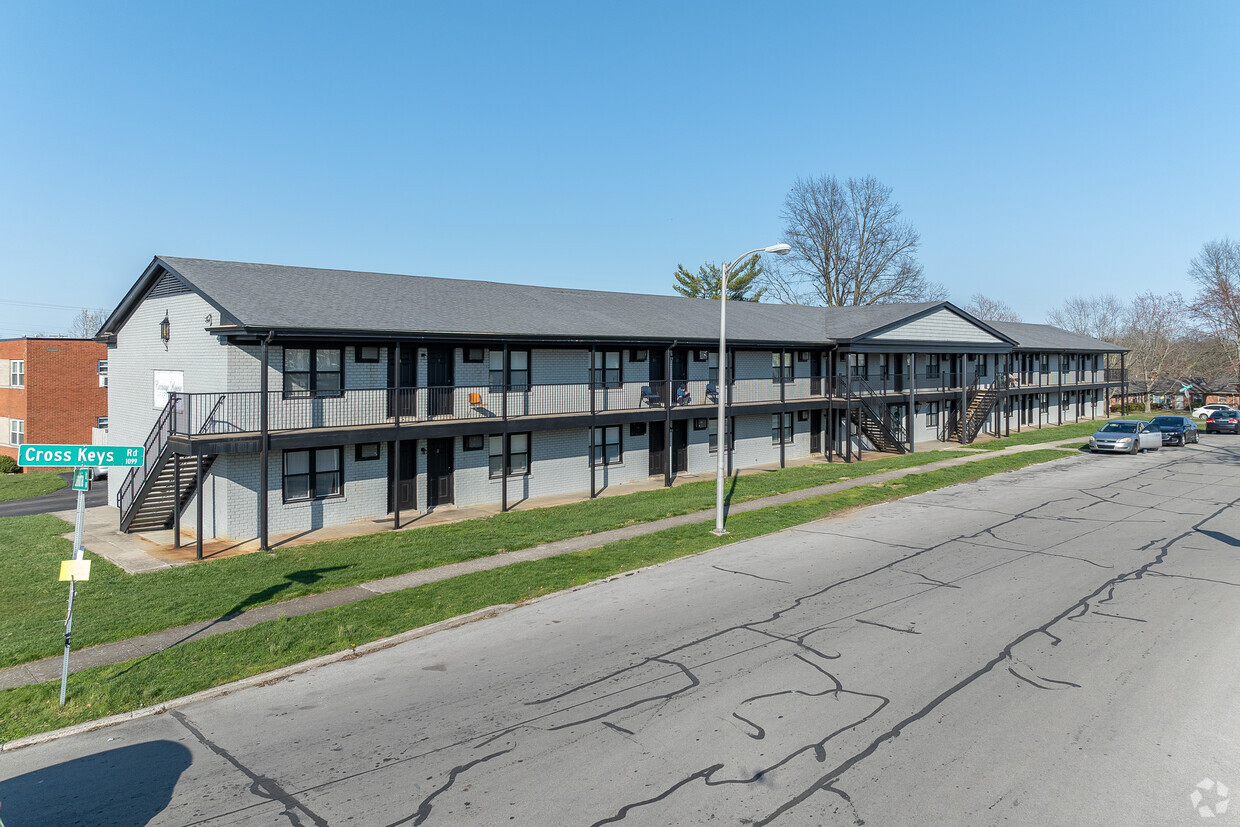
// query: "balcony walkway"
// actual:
[[110, 653]]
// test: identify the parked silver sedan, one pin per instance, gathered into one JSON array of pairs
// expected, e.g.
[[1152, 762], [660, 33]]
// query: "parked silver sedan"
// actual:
[[1126, 436]]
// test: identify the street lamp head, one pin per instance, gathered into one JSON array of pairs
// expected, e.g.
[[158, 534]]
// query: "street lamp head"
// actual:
[[779, 249]]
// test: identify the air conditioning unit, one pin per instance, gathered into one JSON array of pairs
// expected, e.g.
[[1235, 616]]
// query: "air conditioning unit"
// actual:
[[103, 381]]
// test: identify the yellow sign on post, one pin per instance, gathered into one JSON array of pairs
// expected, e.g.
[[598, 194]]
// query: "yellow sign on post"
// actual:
[[75, 570]]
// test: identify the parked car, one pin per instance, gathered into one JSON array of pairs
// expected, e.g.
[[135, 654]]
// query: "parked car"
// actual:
[[1177, 430], [1205, 410], [1223, 422], [1126, 436]]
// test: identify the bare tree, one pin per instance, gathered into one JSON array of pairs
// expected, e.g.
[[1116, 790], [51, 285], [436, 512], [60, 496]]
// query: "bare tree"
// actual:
[[1216, 269], [991, 310], [1152, 329], [849, 247], [1101, 317], [86, 324]]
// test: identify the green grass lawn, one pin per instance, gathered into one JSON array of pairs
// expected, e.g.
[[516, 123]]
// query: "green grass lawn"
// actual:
[[29, 484], [201, 664], [114, 605]]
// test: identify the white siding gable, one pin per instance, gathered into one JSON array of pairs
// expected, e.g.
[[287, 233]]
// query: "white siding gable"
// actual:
[[940, 326]]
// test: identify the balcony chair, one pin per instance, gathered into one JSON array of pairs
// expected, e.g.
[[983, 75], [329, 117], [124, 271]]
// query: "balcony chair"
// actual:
[[650, 396]]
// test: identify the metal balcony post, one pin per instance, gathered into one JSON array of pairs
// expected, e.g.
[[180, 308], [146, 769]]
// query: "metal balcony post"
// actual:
[[198, 534], [912, 401], [503, 437], [593, 434], [176, 501], [264, 450], [395, 446]]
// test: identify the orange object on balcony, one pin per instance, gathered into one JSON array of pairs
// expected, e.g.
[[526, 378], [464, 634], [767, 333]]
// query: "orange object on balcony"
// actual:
[[475, 398]]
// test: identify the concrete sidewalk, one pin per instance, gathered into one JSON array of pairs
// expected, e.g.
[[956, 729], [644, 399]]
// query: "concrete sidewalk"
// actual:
[[48, 669]]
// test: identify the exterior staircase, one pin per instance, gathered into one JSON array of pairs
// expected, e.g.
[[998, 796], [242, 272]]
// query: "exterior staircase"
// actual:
[[884, 434], [981, 401], [147, 497]]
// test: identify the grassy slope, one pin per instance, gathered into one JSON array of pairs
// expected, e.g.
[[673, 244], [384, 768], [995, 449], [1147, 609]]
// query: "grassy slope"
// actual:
[[114, 605], [201, 664], [29, 484]]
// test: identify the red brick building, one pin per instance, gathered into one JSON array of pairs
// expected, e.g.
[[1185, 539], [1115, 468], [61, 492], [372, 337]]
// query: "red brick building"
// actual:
[[51, 391]]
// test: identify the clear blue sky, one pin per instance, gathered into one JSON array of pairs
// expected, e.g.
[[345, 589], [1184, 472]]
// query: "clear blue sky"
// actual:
[[1041, 149]]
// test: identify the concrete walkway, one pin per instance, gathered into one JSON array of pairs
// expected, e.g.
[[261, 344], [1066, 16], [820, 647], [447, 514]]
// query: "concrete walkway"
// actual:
[[109, 653]]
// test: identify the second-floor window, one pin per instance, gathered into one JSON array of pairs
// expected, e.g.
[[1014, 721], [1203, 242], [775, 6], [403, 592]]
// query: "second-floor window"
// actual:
[[932, 366], [312, 371], [17, 431], [101, 422], [17, 374], [518, 378], [859, 365], [983, 368], [103, 367], [781, 367], [607, 369]]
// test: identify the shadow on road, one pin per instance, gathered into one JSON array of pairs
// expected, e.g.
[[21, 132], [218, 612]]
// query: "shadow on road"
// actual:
[[124, 786]]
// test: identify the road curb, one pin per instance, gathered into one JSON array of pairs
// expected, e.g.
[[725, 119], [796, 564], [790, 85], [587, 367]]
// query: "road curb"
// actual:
[[274, 676]]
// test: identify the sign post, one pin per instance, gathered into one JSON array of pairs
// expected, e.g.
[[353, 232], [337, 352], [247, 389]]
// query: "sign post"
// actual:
[[84, 457]]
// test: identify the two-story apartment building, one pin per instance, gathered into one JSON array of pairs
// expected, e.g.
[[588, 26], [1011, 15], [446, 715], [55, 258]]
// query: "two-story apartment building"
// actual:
[[278, 399], [51, 391]]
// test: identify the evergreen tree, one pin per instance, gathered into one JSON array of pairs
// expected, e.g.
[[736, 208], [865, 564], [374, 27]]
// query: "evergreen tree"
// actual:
[[704, 284]]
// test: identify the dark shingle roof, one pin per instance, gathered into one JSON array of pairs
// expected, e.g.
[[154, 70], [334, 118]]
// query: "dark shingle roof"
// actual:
[[1049, 337], [264, 295]]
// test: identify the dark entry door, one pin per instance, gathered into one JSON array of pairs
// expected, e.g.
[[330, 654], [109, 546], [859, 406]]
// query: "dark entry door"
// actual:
[[439, 380], [815, 432], [897, 373], [404, 398], [680, 365], [439, 466], [658, 447], [658, 370], [680, 446], [407, 475], [953, 377], [815, 374]]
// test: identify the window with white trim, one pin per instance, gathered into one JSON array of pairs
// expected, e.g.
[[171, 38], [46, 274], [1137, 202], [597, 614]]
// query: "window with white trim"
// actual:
[[518, 455], [17, 373], [17, 431], [787, 428], [103, 367]]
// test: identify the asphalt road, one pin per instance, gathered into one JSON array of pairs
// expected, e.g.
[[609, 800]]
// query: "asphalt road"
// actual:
[[1052, 646], [63, 500]]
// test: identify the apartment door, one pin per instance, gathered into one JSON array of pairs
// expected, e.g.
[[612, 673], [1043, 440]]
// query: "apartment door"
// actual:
[[680, 446], [658, 370], [404, 399], [658, 448], [897, 373], [953, 371], [815, 374], [439, 467], [407, 475], [439, 380], [815, 432]]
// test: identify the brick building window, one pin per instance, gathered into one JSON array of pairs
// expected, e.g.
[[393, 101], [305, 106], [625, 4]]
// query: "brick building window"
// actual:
[[313, 475], [17, 373], [17, 431], [518, 455], [607, 369], [310, 371], [103, 367], [101, 422], [518, 371], [607, 446]]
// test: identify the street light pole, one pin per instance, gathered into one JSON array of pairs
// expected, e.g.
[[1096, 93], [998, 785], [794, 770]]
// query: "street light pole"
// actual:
[[721, 383]]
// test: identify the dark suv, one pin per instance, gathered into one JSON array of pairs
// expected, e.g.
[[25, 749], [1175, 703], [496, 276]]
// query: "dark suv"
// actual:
[[1220, 421]]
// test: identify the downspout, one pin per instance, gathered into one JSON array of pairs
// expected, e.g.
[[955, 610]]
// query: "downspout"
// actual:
[[264, 450]]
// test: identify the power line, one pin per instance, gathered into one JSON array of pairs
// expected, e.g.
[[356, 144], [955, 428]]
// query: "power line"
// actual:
[[53, 306]]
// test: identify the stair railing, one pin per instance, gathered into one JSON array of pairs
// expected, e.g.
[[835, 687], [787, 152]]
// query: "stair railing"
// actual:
[[153, 449], [865, 392]]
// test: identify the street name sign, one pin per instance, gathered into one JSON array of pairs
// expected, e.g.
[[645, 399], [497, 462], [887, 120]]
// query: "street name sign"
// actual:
[[58, 456]]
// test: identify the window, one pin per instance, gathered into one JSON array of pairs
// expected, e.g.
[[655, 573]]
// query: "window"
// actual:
[[712, 369], [606, 369], [313, 371], [518, 455], [366, 451], [859, 364], [17, 431], [518, 370], [712, 437], [101, 422], [103, 367], [932, 413], [786, 430], [884, 366], [17, 373], [1046, 364], [932, 366], [983, 367], [607, 448], [366, 353], [313, 475], [802, 416], [778, 375], [475, 354], [1046, 403], [472, 442]]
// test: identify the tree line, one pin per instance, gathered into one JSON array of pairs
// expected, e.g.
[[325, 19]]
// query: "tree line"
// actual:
[[851, 245]]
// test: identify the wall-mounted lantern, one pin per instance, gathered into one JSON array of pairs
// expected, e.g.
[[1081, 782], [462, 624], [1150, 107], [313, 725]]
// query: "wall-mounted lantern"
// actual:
[[165, 330]]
